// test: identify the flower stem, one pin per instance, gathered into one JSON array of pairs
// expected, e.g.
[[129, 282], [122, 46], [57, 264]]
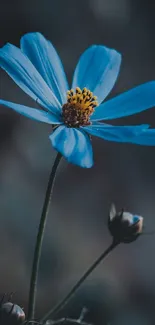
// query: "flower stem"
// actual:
[[39, 240], [65, 300]]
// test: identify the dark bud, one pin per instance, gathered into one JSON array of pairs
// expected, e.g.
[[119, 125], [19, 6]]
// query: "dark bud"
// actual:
[[11, 314], [124, 226]]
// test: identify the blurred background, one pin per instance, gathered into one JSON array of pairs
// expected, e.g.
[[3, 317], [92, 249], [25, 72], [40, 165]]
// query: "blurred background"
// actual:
[[77, 232]]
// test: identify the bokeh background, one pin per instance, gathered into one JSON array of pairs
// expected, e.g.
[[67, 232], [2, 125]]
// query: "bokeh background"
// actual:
[[76, 232]]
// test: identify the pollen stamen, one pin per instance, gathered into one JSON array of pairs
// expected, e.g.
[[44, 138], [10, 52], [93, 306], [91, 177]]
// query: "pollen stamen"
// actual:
[[80, 105]]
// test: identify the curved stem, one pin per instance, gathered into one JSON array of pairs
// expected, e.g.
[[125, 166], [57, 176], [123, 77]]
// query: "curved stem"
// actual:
[[39, 240], [65, 300]]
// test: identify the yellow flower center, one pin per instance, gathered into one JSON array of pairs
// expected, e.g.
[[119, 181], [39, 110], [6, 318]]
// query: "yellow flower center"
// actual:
[[80, 105]]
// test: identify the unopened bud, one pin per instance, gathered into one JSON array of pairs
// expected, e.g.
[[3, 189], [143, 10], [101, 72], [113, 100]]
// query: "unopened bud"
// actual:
[[124, 226], [11, 314]]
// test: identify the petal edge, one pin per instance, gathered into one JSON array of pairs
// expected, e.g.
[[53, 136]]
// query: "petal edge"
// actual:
[[44, 57], [128, 103], [21, 70], [32, 113], [116, 133], [74, 145], [97, 70]]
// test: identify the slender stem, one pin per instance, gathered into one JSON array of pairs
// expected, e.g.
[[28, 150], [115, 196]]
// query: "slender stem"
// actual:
[[69, 321], [39, 240], [64, 320], [65, 300], [84, 311]]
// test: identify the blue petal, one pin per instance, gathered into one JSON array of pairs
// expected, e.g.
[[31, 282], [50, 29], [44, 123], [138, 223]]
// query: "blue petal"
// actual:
[[74, 145], [22, 71], [33, 113], [146, 138], [46, 60], [116, 133], [135, 218], [131, 102], [97, 70]]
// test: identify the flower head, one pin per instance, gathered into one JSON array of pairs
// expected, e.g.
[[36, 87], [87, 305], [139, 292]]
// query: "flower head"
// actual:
[[124, 226], [79, 107], [36, 68]]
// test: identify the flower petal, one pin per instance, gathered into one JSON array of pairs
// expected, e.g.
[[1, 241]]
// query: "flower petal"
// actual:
[[97, 70], [146, 138], [74, 145], [22, 71], [44, 57], [33, 113], [116, 133], [130, 102]]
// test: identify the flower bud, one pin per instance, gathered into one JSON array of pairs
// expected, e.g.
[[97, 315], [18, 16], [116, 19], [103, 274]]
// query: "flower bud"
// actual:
[[124, 226], [11, 314]]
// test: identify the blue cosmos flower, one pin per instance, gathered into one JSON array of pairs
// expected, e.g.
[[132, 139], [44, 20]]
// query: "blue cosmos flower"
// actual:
[[36, 68]]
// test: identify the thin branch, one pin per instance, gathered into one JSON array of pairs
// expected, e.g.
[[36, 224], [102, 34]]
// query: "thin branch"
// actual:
[[53, 311]]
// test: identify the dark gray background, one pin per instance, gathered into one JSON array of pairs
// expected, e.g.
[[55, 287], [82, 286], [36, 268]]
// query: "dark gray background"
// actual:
[[76, 231]]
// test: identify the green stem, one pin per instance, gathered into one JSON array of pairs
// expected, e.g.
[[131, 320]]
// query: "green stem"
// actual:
[[39, 240], [65, 300]]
